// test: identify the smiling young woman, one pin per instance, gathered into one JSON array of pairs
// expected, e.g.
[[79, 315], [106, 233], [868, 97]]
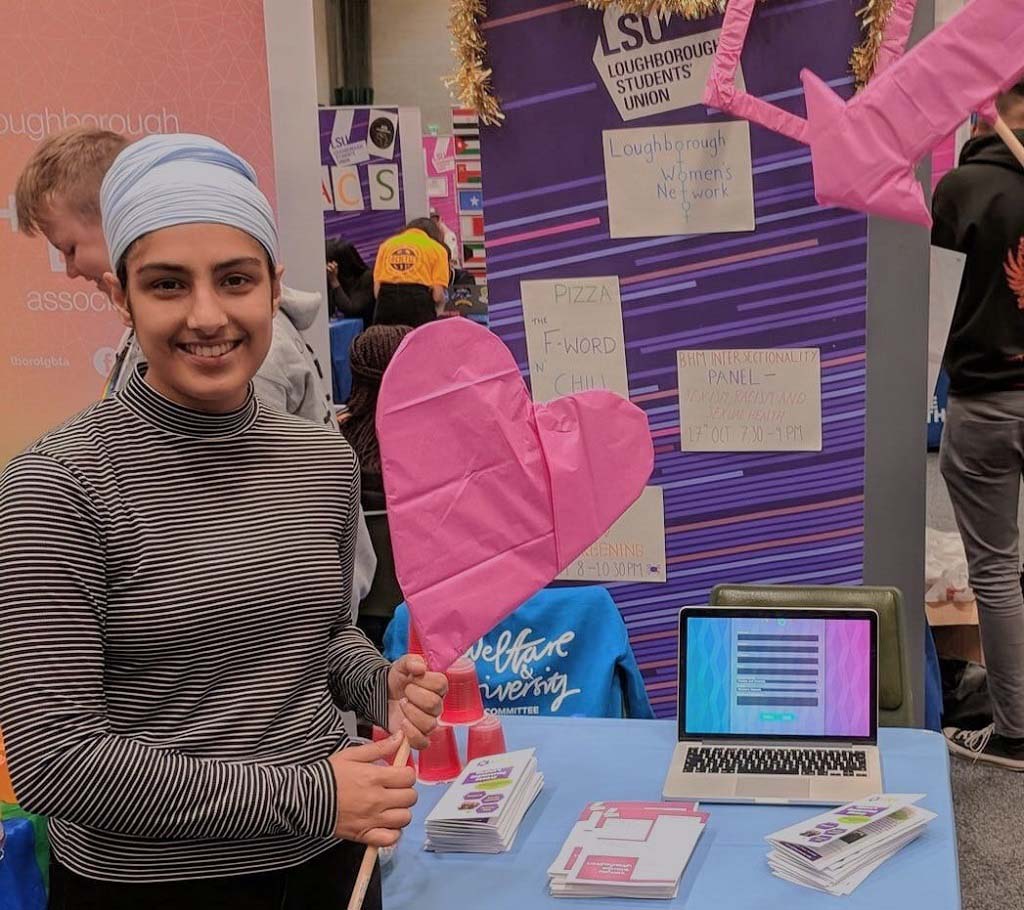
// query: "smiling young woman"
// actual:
[[176, 643], [201, 298]]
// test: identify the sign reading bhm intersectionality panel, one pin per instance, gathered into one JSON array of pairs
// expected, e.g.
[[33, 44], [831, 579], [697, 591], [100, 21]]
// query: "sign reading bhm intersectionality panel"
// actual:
[[574, 336], [668, 180], [750, 400]]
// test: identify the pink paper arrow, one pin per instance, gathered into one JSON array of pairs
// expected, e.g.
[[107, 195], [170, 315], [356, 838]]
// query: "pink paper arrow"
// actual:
[[895, 34], [863, 151]]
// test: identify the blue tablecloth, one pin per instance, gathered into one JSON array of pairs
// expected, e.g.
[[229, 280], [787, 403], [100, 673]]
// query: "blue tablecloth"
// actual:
[[343, 333], [585, 759], [21, 884]]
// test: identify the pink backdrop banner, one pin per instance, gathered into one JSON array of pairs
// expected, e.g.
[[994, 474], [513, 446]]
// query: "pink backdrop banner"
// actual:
[[439, 152], [135, 67]]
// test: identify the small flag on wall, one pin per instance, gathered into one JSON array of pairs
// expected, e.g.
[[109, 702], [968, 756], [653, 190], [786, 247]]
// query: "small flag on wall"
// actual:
[[469, 182], [473, 254], [472, 227], [465, 123], [467, 148], [470, 201], [468, 173]]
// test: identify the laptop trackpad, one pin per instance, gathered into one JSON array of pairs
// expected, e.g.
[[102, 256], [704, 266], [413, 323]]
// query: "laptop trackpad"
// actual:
[[773, 787]]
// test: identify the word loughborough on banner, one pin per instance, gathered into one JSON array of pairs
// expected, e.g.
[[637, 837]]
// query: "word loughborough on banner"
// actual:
[[669, 180]]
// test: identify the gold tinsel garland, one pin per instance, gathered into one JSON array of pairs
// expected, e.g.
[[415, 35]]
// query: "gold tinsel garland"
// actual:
[[873, 18], [688, 9], [472, 77]]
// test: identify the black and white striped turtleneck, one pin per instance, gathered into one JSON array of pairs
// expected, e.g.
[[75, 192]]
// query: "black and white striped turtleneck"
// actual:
[[175, 640]]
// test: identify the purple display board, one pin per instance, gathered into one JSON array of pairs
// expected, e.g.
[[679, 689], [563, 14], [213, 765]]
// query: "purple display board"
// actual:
[[799, 280], [365, 229]]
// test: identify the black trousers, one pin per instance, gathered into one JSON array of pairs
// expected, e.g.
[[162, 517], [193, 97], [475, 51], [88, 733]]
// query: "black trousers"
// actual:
[[322, 883], [404, 304]]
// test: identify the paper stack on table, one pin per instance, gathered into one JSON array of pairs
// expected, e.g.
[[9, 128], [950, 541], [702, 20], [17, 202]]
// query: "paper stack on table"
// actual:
[[627, 849], [837, 850], [482, 810]]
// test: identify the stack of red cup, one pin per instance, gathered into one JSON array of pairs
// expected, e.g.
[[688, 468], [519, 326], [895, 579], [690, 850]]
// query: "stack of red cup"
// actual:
[[463, 707]]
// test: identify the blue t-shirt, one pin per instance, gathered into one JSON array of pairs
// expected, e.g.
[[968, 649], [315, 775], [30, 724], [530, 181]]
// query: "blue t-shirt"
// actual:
[[565, 652]]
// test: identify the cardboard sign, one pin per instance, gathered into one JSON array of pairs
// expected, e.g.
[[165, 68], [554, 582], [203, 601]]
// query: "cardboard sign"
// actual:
[[384, 186], [750, 400], [574, 336], [632, 549], [348, 193], [668, 180]]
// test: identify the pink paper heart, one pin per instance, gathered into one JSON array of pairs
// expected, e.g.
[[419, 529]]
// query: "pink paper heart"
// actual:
[[489, 495]]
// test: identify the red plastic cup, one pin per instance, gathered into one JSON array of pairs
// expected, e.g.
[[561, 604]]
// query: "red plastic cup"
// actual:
[[462, 704], [379, 734], [486, 738], [440, 760], [414, 640]]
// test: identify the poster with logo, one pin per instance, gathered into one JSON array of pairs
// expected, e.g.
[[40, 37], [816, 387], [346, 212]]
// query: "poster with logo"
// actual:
[[166, 75], [650, 65], [378, 173], [796, 281]]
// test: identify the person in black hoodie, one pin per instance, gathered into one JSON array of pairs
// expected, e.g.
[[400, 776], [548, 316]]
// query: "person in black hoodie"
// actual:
[[978, 209], [349, 283]]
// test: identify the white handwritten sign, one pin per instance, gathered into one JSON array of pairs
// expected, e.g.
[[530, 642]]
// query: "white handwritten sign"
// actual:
[[668, 180], [646, 70], [750, 400], [632, 549], [574, 336]]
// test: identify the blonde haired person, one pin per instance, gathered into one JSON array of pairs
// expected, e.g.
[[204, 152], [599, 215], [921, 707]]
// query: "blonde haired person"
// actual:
[[58, 195], [174, 676]]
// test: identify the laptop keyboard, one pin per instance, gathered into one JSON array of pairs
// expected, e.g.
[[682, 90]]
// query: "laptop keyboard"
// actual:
[[804, 762]]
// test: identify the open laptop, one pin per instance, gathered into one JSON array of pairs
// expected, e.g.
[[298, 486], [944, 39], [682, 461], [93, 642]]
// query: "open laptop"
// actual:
[[776, 706]]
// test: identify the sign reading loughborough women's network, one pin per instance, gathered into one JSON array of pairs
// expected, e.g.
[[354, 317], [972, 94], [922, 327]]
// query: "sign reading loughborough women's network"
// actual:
[[649, 67]]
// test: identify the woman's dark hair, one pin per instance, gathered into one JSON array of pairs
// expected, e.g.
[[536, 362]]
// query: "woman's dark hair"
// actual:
[[350, 264], [429, 227]]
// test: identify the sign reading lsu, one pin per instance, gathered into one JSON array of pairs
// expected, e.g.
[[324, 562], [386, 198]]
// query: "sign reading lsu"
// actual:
[[650, 64]]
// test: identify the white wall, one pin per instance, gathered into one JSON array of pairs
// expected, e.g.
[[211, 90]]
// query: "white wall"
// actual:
[[411, 51], [293, 115], [323, 65]]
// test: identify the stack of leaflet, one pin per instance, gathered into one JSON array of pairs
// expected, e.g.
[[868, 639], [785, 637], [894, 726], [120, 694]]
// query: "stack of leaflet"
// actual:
[[627, 849], [482, 810], [837, 850]]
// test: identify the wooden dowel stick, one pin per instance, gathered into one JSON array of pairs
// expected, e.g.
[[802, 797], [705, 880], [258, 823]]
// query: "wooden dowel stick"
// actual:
[[355, 902]]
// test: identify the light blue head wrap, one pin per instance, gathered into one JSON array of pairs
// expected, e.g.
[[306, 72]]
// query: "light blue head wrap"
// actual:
[[164, 180]]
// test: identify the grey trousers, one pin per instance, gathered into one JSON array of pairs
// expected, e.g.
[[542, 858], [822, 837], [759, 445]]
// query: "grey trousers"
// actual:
[[981, 459]]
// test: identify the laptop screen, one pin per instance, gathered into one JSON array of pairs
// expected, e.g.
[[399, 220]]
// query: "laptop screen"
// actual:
[[778, 673]]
